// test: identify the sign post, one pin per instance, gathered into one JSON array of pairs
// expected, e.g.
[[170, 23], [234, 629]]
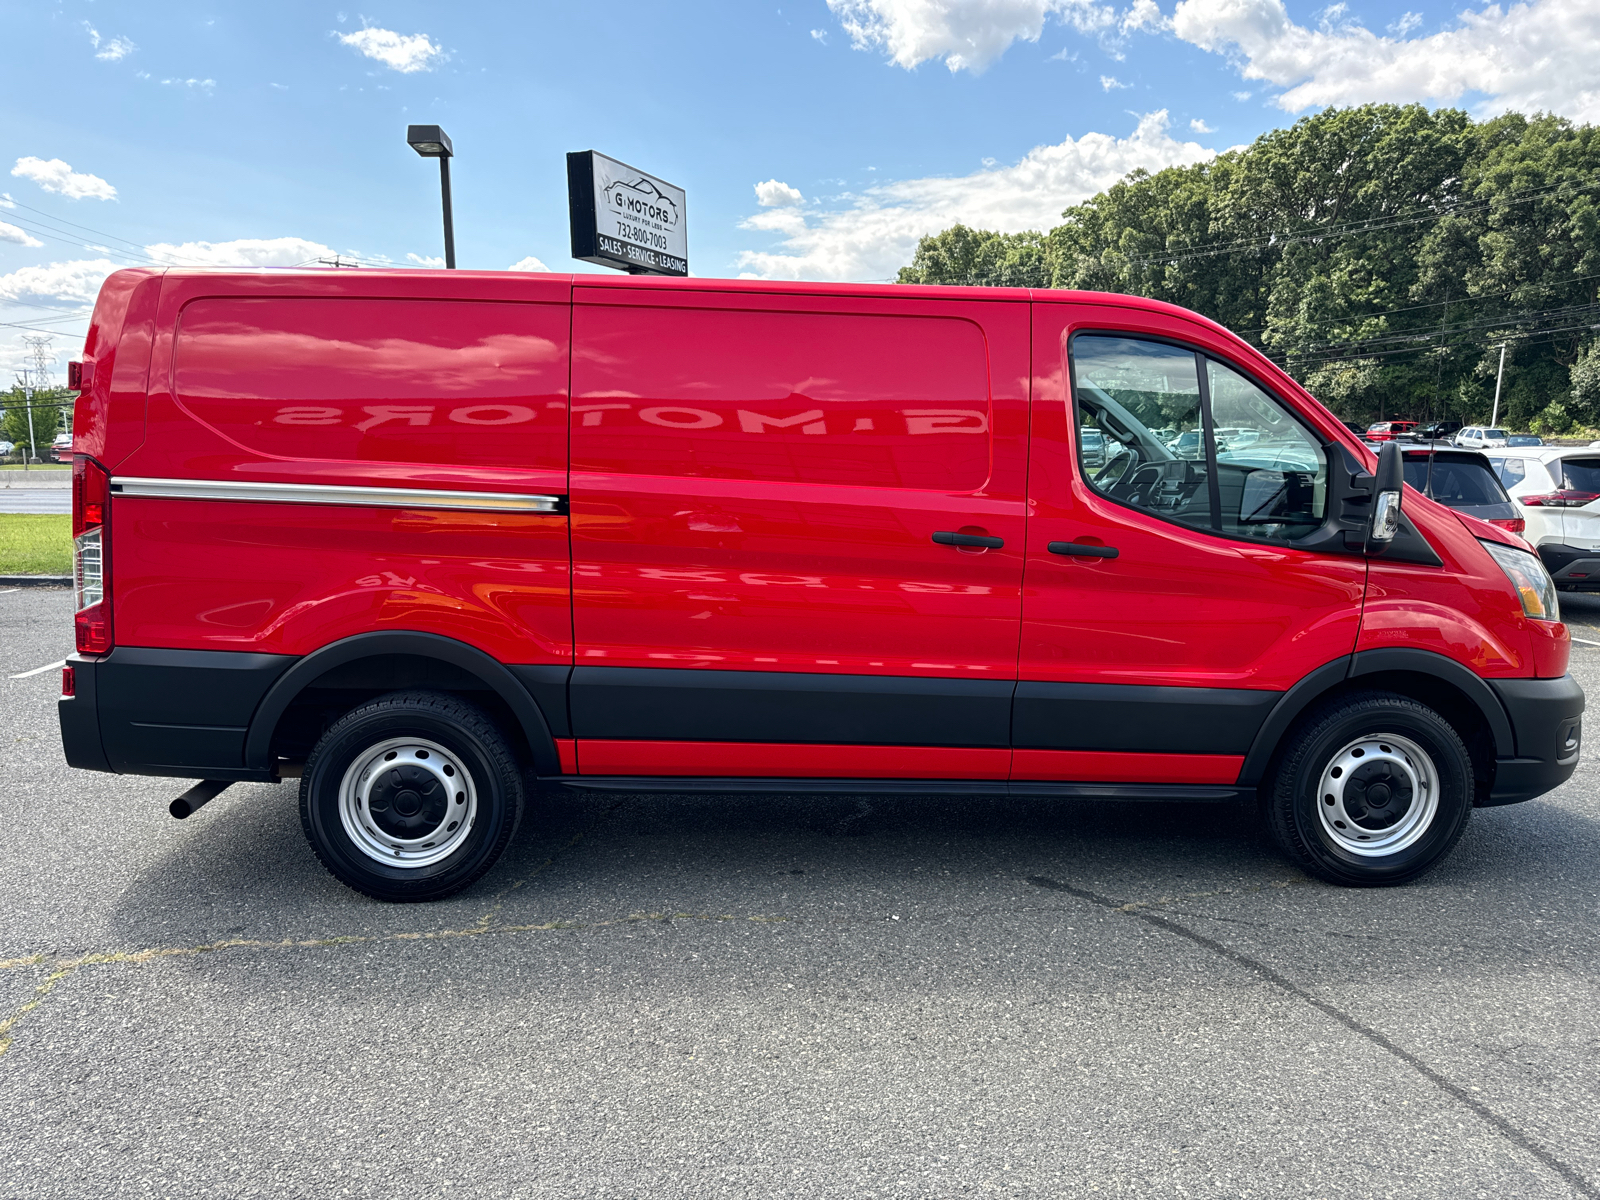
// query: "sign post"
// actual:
[[623, 218]]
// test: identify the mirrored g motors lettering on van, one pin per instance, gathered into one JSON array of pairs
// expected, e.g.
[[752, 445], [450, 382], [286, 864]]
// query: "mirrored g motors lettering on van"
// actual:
[[916, 422]]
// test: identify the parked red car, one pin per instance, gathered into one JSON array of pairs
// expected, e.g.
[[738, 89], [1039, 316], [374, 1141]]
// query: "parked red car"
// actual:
[[416, 536], [1384, 431]]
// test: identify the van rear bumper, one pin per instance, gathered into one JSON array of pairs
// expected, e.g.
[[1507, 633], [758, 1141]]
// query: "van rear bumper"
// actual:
[[177, 713], [1547, 721]]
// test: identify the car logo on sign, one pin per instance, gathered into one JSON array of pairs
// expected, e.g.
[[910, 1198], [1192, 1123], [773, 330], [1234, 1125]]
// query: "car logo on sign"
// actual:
[[641, 198]]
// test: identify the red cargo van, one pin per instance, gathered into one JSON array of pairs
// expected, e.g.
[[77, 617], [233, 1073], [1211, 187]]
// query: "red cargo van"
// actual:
[[418, 538]]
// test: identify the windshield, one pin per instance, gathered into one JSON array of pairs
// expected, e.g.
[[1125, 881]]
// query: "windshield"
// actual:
[[1457, 482], [1582, 474]]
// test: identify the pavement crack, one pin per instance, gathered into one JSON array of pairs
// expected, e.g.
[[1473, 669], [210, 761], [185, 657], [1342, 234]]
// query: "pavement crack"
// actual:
[[1140, 912], [61, 968], [498, 900], [39, 994]]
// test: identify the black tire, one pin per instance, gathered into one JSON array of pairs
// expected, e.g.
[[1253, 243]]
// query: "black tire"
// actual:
[[395, 772], [1327, 813]]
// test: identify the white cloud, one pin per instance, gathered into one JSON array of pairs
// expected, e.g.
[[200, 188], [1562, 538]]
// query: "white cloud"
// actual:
[[56, 176], [1531, 56], [78, 281], [404, 52], [878, 232], [116, 48], [1406, 23], [10, 233], [528, 264], [773, 194], [1241, 97], [241, 252], [1111, 82], [203, 84], [966, 34], [423, 260], [821, 35], [6, 201], [1143, 14], [1199, 126], [112, 50]]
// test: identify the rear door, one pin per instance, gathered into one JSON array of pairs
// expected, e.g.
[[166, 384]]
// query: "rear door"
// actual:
[[1165, 610], [767, 492]]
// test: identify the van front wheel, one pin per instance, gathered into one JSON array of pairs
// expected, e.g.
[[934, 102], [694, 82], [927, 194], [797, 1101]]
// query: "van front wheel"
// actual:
[[1373, 790], [412, 796]]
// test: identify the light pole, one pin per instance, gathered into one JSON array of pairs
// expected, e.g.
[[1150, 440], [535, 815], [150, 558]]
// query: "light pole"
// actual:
[[1499, 375], [432, 142]]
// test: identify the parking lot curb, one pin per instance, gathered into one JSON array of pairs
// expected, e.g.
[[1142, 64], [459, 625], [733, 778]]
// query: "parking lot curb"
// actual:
[[35, 580]]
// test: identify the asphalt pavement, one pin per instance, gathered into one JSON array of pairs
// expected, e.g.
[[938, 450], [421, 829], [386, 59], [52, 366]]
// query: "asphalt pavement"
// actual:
[[41, 491], [677, 996]]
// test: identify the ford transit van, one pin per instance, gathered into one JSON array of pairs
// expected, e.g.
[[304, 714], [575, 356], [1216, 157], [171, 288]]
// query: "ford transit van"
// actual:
[[427, 539]]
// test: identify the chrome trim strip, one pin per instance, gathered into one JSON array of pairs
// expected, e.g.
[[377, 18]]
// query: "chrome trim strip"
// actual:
[[317, 493]]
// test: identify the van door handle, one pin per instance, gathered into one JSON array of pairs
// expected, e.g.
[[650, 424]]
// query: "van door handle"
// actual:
[[1075, 550], [969, 539]]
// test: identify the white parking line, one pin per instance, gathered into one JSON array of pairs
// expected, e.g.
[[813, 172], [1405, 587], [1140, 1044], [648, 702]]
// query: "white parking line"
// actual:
[[40, 670], [8, 591], [1585, 642]]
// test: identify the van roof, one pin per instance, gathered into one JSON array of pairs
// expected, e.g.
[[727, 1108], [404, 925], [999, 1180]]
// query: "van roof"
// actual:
[[697, 283]]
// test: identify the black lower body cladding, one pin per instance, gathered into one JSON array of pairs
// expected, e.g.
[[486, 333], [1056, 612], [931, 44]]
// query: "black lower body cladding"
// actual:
[[177, 713]]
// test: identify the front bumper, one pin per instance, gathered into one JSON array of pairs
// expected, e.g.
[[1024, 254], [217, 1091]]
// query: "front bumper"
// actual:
[[1547, 722]]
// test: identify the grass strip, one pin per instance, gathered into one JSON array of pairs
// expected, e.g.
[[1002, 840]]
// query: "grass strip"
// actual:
[[35, 544]]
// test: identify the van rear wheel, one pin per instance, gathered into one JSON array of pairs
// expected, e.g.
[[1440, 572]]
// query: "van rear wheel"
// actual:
[[1372, 790], [411, 796]]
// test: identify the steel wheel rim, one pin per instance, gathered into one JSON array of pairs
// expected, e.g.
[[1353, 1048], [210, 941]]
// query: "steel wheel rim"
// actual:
[[392, 792], [1378, 795]]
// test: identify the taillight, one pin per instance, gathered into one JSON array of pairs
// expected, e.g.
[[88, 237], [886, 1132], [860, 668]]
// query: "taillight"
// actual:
[[91, 511], [69, 682], [1513, 524], [1567, 498]]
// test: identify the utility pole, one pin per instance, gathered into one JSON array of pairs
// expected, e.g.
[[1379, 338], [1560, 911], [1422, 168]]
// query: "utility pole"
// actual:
[[40, 380], [1499, 375], [32, 455]]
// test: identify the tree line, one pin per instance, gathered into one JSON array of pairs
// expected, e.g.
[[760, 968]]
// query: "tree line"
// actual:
[[48, 406], [1381, 254]]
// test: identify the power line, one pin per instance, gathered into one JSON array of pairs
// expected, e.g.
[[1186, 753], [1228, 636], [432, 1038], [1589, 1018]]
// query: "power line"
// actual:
[[100, 233], [1354, 228]]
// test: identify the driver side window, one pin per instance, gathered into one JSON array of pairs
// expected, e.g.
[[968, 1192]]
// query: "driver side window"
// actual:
[[1141, 435], [1180, 435]]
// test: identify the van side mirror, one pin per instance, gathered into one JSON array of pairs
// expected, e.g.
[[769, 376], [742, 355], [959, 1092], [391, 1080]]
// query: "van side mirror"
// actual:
[[1389, 481]]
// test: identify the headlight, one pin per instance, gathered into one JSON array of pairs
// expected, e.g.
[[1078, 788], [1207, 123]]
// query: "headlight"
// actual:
[[1528, 576]]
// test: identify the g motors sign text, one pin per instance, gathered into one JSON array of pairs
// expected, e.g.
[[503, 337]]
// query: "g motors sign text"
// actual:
[[622, 217]]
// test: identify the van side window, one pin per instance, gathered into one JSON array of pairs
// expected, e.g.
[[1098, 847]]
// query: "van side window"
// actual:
[[1272, 477], [1139, 417], [1190, 439]]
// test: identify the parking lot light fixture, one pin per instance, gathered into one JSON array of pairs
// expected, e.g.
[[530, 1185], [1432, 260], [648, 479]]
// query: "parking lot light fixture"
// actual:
[[432, 142]]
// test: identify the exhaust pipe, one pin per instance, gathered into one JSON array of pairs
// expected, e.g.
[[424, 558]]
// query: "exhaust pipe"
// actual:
[[190, 802]]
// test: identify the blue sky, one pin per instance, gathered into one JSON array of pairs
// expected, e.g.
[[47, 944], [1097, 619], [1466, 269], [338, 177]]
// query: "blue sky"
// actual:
[[815, 139]]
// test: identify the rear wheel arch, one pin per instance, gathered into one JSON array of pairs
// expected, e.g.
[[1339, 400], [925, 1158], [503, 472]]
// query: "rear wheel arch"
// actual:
[[401, 659]]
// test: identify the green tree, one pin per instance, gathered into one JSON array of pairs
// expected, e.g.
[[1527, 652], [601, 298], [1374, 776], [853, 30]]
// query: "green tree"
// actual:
[[973, 256], [1382, 254], [46, 417]]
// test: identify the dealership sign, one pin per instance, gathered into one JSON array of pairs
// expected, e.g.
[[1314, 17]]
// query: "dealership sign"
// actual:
[[622, 217]]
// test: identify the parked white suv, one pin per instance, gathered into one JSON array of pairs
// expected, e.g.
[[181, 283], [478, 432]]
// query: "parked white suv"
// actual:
[[1557, 491], [1479, 437]]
